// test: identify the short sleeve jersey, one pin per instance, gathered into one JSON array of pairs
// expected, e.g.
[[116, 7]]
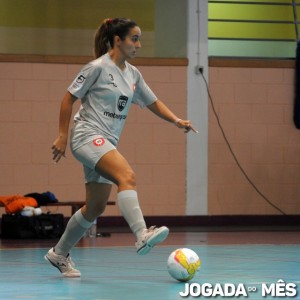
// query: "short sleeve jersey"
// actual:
[[106, 93]]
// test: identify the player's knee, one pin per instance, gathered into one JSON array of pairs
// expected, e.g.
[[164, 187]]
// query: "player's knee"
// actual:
[[100, 210], [93, 212], [129, 179]]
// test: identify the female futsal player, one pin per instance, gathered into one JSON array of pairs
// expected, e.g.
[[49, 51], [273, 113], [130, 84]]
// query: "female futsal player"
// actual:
[[106, 86]]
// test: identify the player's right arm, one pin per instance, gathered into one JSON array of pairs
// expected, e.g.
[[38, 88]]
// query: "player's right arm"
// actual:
[[60, 144]]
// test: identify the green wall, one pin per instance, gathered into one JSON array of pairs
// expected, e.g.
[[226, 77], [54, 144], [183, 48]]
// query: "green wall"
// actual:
[[66, 27], [268, 31], [73, 14]]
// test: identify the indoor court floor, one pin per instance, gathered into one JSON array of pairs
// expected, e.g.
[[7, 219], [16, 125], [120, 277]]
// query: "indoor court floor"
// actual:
[[232, 263]]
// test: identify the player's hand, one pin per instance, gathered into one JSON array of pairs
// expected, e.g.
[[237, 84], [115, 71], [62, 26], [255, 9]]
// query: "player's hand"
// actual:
[[59, 148], [186, 125]]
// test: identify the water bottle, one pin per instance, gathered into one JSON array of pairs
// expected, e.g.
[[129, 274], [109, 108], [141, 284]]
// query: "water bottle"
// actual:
[[92, 232]]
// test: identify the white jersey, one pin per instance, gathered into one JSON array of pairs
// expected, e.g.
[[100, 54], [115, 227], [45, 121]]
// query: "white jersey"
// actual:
[[106, 93]]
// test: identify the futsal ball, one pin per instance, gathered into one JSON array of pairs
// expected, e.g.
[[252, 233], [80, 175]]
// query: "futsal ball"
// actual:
[[183, 264]]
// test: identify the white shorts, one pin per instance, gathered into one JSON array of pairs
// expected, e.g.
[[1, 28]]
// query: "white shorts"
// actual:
[[89, 154]]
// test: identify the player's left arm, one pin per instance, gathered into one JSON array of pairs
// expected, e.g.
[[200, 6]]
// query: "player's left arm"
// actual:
[[161, 110]]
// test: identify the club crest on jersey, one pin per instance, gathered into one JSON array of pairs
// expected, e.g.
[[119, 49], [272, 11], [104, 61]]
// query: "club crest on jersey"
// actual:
[[99, 142], [122, 102]]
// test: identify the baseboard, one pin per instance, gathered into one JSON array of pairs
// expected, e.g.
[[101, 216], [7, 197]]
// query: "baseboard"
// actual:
[[210, 221], [207, 223]]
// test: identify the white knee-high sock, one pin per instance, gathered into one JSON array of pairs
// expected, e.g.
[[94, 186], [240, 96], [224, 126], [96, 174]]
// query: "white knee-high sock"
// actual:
[[74, 231], [131, 211]]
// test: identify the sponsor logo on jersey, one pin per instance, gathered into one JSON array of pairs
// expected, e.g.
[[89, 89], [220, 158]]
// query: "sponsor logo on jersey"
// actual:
[[77, 83], [114, 115], [80, 79], [99, 141], [122, 102]]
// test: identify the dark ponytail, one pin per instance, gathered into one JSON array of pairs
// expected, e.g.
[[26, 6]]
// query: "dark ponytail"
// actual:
[[104, 37]]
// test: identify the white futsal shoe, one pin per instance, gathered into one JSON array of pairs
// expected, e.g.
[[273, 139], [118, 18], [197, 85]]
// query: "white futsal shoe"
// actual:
[[64, 264], [150, 238]]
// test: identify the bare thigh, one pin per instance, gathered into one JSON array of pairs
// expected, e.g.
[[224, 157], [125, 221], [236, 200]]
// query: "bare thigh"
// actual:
[[115, 167], [97, 195]]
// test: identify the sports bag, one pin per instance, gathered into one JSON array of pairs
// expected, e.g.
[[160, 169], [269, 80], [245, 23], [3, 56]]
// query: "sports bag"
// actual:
[[44, 226]]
